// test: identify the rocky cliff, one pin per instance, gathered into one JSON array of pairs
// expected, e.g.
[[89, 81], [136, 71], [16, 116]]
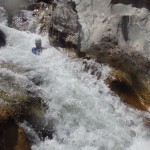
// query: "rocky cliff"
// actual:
[[123, 21], [109, 31], [93, 26]]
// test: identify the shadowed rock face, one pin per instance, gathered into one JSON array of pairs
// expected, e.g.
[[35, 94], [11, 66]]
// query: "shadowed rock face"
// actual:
[[2, 38], [45, 1]]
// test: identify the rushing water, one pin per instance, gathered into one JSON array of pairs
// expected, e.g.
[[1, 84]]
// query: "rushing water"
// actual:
[[88, 116]]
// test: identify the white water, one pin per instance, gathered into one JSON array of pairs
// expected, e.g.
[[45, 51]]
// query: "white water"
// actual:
[[88, 116]]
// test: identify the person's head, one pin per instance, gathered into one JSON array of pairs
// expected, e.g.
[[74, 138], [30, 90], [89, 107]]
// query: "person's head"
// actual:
[[38, 43]]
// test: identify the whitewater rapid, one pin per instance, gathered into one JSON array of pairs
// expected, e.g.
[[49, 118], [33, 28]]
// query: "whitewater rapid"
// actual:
[[88, 116]]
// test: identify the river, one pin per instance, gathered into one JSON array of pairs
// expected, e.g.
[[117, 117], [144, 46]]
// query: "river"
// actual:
[[88, 116]]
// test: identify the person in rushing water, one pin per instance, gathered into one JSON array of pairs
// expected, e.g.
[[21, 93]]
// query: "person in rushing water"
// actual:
[[38, 49]]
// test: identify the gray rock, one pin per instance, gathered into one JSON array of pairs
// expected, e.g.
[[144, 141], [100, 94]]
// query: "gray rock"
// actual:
[[99, 24], [64, 26], [127, 22]]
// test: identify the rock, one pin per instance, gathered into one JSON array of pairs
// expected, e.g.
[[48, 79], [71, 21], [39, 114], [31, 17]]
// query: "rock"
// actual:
[[12, 7], [40, 17], [23, 20], [21, 98], [2, 14], [11, 135], [134, 3], [116, 19], [60, 20], [100, 24], [2, 38], [41, 124], [132, 90], [45, 1], [89, 25], [64, 27]]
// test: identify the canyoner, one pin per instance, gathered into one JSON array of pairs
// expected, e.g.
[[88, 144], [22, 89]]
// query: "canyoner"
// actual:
[[38, 49]]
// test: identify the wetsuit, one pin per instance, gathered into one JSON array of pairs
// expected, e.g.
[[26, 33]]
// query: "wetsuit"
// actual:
[[36, 51]]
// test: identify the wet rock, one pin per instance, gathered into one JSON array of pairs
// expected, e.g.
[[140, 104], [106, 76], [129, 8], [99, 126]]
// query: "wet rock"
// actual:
[[12, 11], [60, 20], [131, 62], [22, 20], [64, 28], [112, 32], [93, 68], [2, 14], [37, 80], [2, 38], [132, 90], [11, 8], [117, 19], [11, 135], [126, 80], [42, 125], [89, 25], [21, 98], [40, 16], [33, 6]]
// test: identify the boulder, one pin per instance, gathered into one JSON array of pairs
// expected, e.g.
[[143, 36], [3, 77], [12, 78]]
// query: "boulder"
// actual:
[[126, 22], [132, 89], [64, 27], [12, 137]]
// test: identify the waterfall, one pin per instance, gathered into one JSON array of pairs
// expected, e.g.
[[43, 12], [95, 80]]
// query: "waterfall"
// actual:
[[88, 115]]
